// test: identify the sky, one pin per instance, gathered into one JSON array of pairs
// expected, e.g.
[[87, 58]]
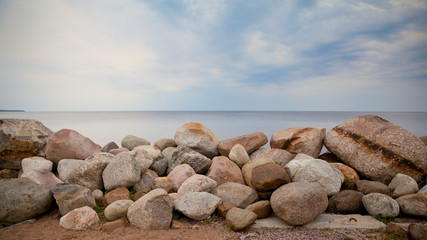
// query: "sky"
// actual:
[[132, 55]]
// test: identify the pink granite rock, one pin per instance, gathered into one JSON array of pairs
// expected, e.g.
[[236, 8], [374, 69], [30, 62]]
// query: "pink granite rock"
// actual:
[[79, 219], [250, 142], [179, 174], [223, 170]]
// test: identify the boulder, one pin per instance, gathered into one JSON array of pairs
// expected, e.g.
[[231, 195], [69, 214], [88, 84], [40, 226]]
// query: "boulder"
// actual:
[[164, 143], [417, 231], [402, 185], [131, 141], [239, 219], [316, 170], [167, 153], [239, 155], [279, 156], [79, 219], [42, 177], [329, 157], [179, 174], [109, 146], [367, 187], [98, 195], [346, 202], [36, 163], [224, 207], [21, 199], [350, 175], [261, 208], [117, 194], [236, 193], [250, 142], [223, 170], [152, 211], [378, 203], [258, 153], [305, 140], [125, 169], [263, 174], [69, 144], [298, 203], [378, 149], [197, 205], [197, 137], [396, 231], [154, 152], [146, 182], [111, 226], [8, 174], [66, 166], [164, 183], [197, 183], [117, 209], [182, 154], [116, 151], [89, 172], [71, 196], [19, 139], [414, 204], [160, 165]]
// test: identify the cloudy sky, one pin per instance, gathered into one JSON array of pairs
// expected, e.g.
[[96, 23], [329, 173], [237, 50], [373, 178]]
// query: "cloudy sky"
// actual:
[[126, 55]]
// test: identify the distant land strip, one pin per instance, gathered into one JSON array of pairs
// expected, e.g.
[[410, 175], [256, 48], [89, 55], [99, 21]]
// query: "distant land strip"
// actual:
[[12, 110]]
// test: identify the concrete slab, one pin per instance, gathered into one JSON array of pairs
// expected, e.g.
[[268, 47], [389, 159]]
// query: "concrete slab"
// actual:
[[331, 221]]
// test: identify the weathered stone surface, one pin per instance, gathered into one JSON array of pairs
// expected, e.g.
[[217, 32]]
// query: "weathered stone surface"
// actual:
[[367, 187], [89, 173], [19, 139], [236, 193], [198, 137], [224, 207], [79, 219], [261, 208], [164, 143], [69, 144], [347, 201], [111, 226], [117, 194], [21, 199], [279, 156], [396, 231], [258, 153], [42, 177], [250, 142], [239, 219], [179, 174], [125, 169], [109, 146], [378, 203], [131, 141], [197, 183], [197, 205], [224, 170], [66, 166], [116, 151], [417, 231], [305, 140], [152, 211], [154, 152], [299, 203], [98, 195], [263, 174], [167, 153], [378, 149], [36, 163], [160, 165], [182, 154], [350, 175], [402, 185], [117, 209], [316, 170], [71, 196], [146, 182], [8, 174], [414, 204], [239, 155], [164, 183]]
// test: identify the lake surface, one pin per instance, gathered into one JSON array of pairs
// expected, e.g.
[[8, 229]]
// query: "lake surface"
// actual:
[[103, 127]]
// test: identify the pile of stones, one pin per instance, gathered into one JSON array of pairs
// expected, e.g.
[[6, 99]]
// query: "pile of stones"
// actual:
[[373, 167]]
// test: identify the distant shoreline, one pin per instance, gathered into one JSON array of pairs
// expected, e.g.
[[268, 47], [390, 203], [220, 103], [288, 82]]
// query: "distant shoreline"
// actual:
[[12, 110]]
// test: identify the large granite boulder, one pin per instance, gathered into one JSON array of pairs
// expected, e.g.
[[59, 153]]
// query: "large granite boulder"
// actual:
[[251, 142], [414, 204], [152, 211], [66, 166], [125, 169], [19, 139], [236, 193], [316, 170], [279, 156], [261, 208], [350, 175], [197, 183], [89, 173], [198, 137], [197, 205], [378, 149], [378, 203], [79, 219], [224, 170], [264, 175], [21, 199], [239, 219], [71, 196], [182, 154], [305, 140], [130, 142], [69, 144], [402, 185], [179, 174], [346, 202], [42, 177], [36, 163], [299, 203]]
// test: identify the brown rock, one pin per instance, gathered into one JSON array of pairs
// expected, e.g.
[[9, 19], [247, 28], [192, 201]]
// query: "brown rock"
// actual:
[[378, 149], [261, 208], [264, 174], [236, 193], [367, 187], [147, 181], [239, 155], [118, 150], [42, 177], [424, 139], [120, 193], [305, 140], [164, 183], [417, 231], [174, 196], [79, 219], [329, 157], [239, 219], [224, 170], [250, 142], [71, 196], [346, 202], [179, 174], [8, 174], [109, 146], [397, 231], [197, 183], [413, 204], [163, 143], [70, 144], [139, 194], [111, 226], [19, 139], [198, 137], [350, 175], [279, 156], [98, 195], [224, 207]]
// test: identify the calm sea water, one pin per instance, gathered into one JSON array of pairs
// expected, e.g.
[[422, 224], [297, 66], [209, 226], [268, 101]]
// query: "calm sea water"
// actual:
[[103, 127]]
